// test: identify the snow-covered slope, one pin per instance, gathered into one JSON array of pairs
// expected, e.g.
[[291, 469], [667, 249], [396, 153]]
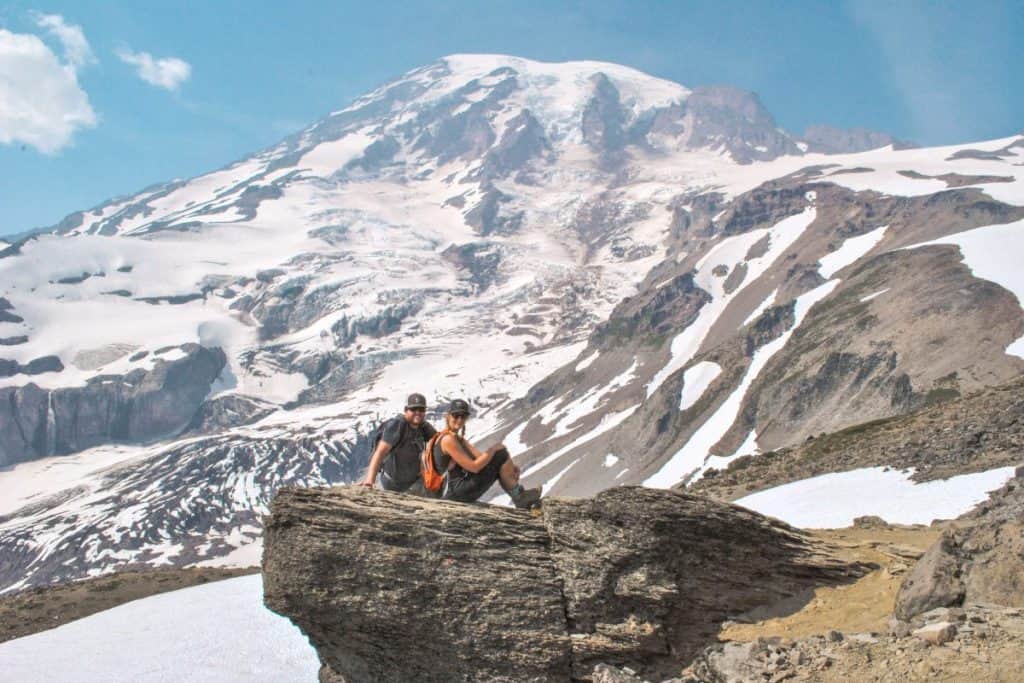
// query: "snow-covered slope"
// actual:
[[814, 301], [565, 245], [217, 632], [835, 500]]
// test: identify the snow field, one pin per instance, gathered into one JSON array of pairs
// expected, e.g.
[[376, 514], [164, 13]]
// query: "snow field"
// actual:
[[834, 500], [696, 381], [851, 251], [216, 632]]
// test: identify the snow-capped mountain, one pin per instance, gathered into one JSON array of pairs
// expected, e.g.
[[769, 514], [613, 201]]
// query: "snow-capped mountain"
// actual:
[[625, 276]]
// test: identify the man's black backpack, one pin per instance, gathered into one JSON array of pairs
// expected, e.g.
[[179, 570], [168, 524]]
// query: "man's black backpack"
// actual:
[[379, 432]]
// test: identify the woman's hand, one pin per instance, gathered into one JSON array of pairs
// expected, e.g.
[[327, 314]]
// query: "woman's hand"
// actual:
[[495, 448]]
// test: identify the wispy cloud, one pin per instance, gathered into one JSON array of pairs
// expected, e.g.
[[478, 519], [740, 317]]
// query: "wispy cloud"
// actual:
[[167, 72], [77, 51], [940, 82], [41, 102]]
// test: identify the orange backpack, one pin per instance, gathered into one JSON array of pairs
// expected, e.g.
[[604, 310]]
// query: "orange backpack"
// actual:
[[432, 479]]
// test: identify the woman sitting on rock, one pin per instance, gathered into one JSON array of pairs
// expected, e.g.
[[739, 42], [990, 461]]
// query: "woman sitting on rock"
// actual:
[[471, 472]]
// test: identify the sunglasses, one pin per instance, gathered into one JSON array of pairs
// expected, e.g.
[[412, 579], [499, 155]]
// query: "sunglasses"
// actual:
[[417, 410]]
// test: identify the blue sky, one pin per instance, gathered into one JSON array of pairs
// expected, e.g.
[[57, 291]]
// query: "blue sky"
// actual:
[[133, 95]]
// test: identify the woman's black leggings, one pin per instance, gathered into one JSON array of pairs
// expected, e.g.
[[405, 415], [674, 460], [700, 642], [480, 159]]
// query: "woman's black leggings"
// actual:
[[466, 487]]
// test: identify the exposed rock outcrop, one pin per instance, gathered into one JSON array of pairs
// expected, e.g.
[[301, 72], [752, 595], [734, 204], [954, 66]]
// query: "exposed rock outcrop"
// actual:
[[632, 577], [139, 406], [982, 643], [979, 561], [843, 141], [957, 435]]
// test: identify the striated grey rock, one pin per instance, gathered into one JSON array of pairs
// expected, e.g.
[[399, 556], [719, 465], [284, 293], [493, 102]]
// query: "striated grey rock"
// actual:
[[228, 411], [633, 577], [479, 262], [139, 406], [36, 366], [13, 341], [522, 141], [721, 117], [832, 140], [487, 216], [652, 316], [981, 561], [603, 121]]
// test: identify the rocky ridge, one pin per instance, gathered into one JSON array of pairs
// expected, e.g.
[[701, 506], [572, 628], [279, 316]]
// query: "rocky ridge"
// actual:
[[955, 435], [980, 559], [142, 405]]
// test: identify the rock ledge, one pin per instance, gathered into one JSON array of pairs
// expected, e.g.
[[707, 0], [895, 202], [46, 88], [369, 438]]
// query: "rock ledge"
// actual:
[[395, 588]]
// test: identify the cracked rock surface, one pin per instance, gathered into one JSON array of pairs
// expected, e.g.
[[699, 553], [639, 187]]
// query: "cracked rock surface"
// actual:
[[390, 587]]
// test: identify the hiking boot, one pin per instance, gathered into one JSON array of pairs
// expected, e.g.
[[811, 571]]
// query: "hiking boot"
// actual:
[[527, 499]]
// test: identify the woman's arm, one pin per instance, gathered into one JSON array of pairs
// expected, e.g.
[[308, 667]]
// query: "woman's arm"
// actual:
[[465, 454]]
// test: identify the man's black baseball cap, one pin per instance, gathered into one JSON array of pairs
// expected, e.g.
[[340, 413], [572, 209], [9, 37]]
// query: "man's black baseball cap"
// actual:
[[458, 407], [416, 401]]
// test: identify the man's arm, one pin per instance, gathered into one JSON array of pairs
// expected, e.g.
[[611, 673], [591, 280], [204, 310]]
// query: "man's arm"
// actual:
[[379, 453], [391, 434]]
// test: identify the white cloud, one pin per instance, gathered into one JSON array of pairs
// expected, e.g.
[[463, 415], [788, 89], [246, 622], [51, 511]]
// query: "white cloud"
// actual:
[[76, 48], [41, 102], [168, 73]]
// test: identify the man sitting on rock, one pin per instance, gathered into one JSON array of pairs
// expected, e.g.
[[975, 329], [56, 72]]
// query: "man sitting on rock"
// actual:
[[398, 445]]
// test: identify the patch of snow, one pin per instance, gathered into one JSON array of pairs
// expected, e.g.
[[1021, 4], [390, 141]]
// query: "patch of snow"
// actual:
[[761, 308], [850, 252], [247, 555], [696, 381], [329, 157], [869, 297], [586, 362], [608, 422], [514, 440], [620, 474], [550, 483], [610, 460], [576, 410], [216, 632], [748, 447], [834, 500], [30, 482]]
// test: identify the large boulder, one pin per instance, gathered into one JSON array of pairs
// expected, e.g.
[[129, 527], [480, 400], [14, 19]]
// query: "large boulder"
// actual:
[[391, 587], [979, 560]]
